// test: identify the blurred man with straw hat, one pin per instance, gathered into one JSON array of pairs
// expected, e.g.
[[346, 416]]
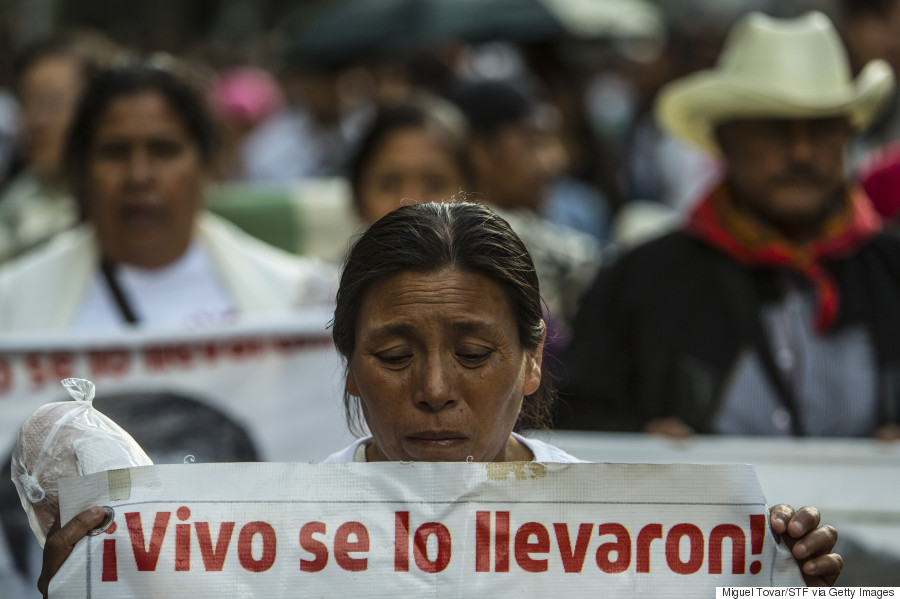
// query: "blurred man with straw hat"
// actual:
[[774, 310]]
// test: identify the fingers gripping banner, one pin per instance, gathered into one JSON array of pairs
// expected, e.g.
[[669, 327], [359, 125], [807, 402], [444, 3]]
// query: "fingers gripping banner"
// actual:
[[435, 530]]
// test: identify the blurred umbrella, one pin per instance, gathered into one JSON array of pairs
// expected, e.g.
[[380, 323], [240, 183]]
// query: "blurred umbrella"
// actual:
[[609, 18], [535, 20], [342, 30]]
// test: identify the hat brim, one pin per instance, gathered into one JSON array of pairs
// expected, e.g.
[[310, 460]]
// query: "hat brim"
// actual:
[[690, 108]]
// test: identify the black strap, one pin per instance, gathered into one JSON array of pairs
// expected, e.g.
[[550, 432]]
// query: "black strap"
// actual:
[[112, 282], [744, 298]]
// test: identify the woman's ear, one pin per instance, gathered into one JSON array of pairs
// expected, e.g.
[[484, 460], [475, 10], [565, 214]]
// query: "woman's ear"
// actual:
[[533, 366], [350, 384]]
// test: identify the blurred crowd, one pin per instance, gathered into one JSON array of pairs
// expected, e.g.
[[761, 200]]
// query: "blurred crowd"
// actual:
[[350, 109]]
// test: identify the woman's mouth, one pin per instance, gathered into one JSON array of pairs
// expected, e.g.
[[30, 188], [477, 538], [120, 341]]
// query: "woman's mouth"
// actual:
[[437, 439], [139, 216]]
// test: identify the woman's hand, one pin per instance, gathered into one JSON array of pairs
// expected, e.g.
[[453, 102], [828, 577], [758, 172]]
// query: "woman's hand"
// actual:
[[810, 543], [888, 432], [60, 542], [670, 427]]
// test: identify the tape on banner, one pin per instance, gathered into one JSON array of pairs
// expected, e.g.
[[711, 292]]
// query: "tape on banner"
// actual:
[[119, 484]]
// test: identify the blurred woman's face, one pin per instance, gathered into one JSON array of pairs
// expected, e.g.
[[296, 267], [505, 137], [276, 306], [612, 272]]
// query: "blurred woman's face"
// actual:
[[439, 368], [49, 91], [412, 165], [145, 181]]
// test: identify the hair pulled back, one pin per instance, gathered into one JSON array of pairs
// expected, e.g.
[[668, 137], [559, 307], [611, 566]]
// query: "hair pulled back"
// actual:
[[431, 237]]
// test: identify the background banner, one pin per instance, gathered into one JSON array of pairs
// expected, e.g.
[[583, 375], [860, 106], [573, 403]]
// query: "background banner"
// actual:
[[262, 390], [435, 530], [267, 390]]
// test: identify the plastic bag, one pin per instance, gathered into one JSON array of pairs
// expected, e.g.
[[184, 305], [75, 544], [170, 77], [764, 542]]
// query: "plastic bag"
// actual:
[[62, 439]]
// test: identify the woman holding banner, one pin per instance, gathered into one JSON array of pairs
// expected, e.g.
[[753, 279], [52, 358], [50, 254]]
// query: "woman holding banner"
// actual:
[[439, 319]]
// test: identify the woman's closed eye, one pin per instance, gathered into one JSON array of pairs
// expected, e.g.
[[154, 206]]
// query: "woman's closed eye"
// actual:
[[395, 359], [473, 357]]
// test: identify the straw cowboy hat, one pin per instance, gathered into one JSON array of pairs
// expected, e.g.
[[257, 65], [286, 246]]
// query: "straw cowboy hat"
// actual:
[[774, 68]]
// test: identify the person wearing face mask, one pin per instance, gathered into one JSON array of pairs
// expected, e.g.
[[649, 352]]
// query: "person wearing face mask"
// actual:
[[137, 158]]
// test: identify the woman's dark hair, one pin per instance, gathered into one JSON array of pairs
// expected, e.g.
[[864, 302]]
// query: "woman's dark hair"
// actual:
[[157, 73], [420, 111], [491, 106], [428, 238], [89, 50]]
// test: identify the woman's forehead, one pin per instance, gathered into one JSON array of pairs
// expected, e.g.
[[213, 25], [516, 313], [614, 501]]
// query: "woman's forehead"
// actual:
[[444, 286], [464, 299]]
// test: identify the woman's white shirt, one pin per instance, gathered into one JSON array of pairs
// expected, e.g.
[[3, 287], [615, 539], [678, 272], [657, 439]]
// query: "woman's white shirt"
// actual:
[[543, 452], [187, 293]]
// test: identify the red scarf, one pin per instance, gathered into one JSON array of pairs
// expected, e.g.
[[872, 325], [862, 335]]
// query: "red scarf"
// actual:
[[719, 222]]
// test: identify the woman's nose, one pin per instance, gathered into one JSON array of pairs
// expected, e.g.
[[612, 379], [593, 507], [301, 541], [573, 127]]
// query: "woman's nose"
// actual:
[[436, 391], [139, 167]]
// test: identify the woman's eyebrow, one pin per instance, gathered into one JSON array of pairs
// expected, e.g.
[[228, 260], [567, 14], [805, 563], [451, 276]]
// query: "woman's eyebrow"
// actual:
[[392, 330], [474, 326], [408, 330]]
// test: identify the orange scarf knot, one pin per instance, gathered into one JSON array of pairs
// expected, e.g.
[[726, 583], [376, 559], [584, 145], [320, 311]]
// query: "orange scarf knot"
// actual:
[[719, 222]]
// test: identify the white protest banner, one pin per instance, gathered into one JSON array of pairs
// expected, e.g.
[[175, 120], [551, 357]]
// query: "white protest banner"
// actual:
[[278, 380], [420, 529]]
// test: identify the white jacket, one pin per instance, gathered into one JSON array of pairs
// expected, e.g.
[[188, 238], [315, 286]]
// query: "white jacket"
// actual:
[[43, 290]]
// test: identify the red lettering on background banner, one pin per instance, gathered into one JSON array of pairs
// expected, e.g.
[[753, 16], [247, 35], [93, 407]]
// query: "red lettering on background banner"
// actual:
[[109, 363], [34, 370], [160, 358], [167, 357], [241, 349], [294, 344], [49, 368], [210, 351]]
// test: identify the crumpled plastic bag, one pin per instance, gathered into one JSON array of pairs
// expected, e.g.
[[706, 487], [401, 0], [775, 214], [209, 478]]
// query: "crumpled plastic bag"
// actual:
[[62, 439]]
